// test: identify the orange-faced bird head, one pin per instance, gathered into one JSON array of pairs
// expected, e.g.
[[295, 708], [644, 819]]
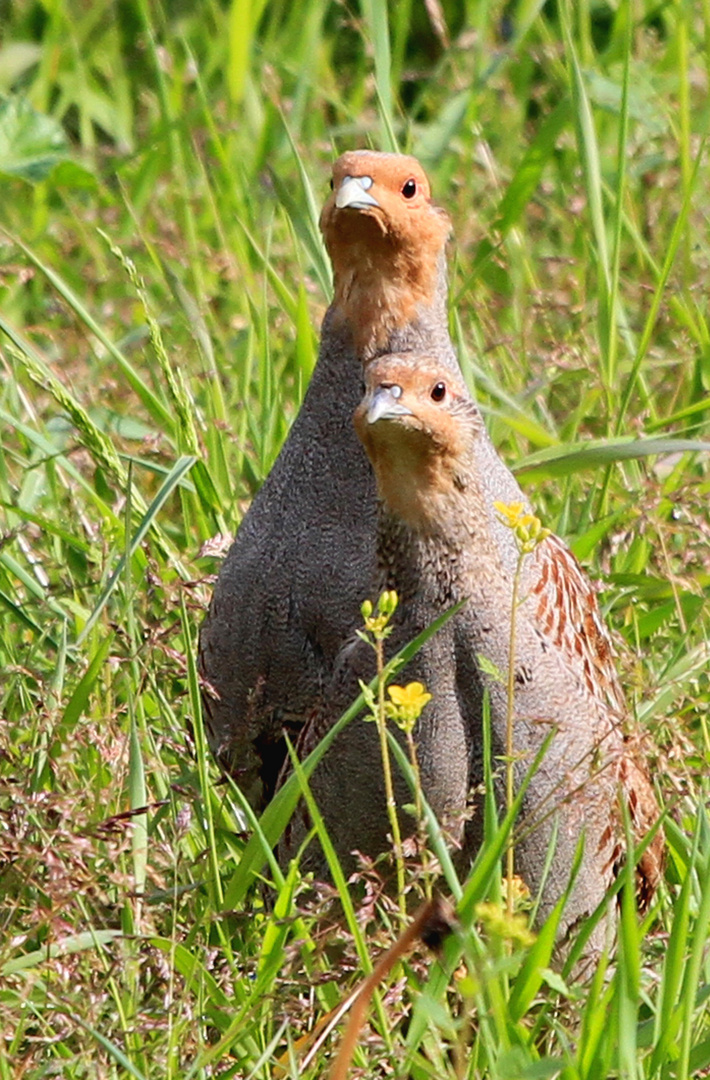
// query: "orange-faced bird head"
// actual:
[[385, 239], [418, 422]]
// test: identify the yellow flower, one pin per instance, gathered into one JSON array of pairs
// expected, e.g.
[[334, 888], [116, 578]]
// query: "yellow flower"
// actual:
[[412, 695], [529, 531], [500, 924], [376, 624], [406, 704], [510, 513], [520, 891]]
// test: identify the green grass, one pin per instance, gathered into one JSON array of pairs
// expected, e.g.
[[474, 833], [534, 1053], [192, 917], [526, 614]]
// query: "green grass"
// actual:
[[161, 285]]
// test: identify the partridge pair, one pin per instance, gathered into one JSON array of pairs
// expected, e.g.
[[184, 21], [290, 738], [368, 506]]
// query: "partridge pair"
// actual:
[[327, 531]]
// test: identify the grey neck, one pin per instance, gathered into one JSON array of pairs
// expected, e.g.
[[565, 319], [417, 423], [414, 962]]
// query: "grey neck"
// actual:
[[429, 331]]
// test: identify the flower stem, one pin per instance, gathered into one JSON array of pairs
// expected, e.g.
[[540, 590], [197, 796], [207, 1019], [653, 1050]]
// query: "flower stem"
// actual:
[[509, 739], [387, 770], [418, 810]]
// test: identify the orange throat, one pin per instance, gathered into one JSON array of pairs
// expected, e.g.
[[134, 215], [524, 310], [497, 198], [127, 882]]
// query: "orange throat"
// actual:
[[379, 289], [417, 487], [373, 313]]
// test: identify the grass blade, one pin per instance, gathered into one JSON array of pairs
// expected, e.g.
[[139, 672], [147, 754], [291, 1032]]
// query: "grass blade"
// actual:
[[152, 404], [376, 18], [181, 467], [202, 754], [565, 460], [74, 943]]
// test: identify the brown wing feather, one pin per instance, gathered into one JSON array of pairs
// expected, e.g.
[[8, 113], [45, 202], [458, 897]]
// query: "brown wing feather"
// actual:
[[567, 613], [644, 813]]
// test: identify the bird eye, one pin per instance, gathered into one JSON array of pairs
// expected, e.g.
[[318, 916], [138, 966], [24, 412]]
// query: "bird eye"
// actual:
[[409, 189], [438, 392], [331, 183]]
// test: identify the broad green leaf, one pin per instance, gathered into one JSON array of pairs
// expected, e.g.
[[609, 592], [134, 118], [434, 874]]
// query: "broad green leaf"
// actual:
[[527, 177], [375, 16], [31, 144], [565, 459], [435, 139], [15, 58], [643, 99], [80, 698]]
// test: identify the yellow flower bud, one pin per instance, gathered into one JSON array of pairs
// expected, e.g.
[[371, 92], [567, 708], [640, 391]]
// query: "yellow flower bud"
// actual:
[[528, 529]]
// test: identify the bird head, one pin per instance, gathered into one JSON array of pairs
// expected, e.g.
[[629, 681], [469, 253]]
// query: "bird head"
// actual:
[[417, 423], [385, 238]]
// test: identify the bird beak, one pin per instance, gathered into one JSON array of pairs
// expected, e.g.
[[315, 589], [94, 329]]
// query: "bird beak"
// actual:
[[385, 404], [354, 193]]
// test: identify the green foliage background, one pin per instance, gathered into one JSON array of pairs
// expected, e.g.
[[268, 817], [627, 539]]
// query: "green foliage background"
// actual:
[[162, 281]]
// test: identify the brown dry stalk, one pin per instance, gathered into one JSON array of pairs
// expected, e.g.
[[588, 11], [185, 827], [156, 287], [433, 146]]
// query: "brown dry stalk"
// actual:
[[431, 924]]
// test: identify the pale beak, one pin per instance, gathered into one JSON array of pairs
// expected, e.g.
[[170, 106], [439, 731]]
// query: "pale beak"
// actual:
[[385, 404], [354, 194]]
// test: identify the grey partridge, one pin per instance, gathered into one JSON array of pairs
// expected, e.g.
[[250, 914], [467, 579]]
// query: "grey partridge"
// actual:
[[441, 539], [290, 589]]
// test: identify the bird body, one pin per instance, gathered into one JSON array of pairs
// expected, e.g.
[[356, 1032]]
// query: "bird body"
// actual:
[[441, 540], [290, 589]]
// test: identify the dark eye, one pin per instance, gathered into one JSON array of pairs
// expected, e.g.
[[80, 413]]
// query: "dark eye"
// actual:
[[409, 189], [331, 183], [438, 392]]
